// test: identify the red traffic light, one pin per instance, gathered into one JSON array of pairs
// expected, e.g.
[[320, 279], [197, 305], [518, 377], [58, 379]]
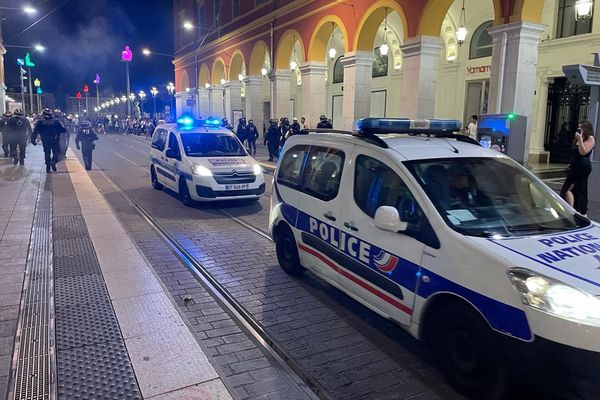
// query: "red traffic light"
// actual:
[[78, 95], [86, 89]]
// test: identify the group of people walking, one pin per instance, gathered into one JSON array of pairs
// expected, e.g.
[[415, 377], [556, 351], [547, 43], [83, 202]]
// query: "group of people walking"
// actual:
[[278, 132]]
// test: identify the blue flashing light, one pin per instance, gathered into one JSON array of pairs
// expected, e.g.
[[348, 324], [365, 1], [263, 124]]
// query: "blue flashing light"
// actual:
[[185, 120], [212, 121], [405, 125]]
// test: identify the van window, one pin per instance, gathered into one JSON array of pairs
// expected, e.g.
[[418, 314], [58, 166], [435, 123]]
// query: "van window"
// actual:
[[376, 185], [323, 173], [173, 144], [159, 139], [290, 169]]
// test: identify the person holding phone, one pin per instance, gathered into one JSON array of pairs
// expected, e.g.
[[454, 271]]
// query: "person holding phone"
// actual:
[[575, 188]]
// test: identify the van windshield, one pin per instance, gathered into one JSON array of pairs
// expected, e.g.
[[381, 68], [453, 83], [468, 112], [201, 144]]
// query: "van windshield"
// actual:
[[211, 145], [492, 196]]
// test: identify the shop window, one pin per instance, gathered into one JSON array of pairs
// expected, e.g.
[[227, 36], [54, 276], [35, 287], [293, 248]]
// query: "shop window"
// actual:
[[257, 2], [236, 8], [380, 65], [338, 71], [566, 24], [481, 42]]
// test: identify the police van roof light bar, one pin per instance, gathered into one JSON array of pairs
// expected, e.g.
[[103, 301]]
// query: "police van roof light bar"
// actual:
[[366, 137], [405, 125], [188, 121]]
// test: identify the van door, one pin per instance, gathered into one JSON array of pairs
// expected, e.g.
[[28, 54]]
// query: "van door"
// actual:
[[172, 163], [319, 208], [385, 266], [158, 147]]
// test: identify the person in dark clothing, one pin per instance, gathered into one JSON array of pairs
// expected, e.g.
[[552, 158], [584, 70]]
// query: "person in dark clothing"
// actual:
[[251, 136], [295, 127], [575, 188], [242, 132], [324, 123], [49, 130], [3, 122], [85, 140], [272, 139], [17, 131]]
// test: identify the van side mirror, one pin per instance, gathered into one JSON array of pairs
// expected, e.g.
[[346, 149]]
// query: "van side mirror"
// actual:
[[171, 153], [388, 219]]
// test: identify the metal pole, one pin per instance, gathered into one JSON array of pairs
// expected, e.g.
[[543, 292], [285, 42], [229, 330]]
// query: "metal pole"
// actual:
[[21, 70], [30, 91], [98, 99], [39, 103], [142, 108], [2, 85], [128, 89], [87, 104], [154, 98], [172, 111]]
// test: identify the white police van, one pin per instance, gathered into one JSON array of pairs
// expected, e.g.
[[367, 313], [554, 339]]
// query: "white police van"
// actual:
[[203, 161], [460, 245]]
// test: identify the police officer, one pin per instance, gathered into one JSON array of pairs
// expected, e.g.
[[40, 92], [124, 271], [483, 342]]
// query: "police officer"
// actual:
[[85, 140], [324, 123], [295, 126], [242, 130], [3, 122], [64, 136], [272, 139], [251, 136], [17, 131], [49, 130]]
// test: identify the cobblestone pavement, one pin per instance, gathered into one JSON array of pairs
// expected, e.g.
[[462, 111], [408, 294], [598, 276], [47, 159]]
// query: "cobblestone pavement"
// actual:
[[351, 352]]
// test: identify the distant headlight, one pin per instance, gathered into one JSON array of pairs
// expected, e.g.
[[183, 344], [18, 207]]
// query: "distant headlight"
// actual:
[[257, 169], [556, 297], [201, 170]]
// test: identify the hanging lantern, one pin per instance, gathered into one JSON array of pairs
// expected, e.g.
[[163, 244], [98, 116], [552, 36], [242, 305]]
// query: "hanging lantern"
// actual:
[[583, 9], [384, 48], [461, 32], [332, 53], [293, 65]]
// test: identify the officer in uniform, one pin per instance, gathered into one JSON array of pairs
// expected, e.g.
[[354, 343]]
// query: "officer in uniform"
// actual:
[[3, 122], [49, 130], [324, 123], [17, 130], [85, 140], [272, 139]]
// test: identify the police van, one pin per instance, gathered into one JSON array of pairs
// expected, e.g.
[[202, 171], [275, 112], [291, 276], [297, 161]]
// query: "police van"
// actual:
[[203, 161], [460, 245]]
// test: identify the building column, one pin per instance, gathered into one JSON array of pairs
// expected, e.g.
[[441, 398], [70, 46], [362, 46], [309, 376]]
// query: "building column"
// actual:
[[314, 93], [217, 110], [2, 80], [180, 99], [203, 102], [537, 152], [358, 72], [421, 56], [233, 100], [254, 100], [280, 93], [514, 68]]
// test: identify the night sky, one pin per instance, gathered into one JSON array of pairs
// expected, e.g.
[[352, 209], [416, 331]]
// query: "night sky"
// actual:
[[85, 37]]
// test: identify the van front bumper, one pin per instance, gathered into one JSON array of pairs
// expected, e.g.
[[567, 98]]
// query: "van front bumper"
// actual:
[[206, 193]]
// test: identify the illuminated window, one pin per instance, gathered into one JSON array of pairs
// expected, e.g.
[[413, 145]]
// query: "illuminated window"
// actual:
[[481, 42]]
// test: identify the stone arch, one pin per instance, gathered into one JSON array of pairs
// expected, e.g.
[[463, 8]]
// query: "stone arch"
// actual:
[[260, 51], [237, 65], [317, 47], [369, 25], [434, 12], [204, 75], [530, 11], [218, 71], [286, 44], [184, 82]]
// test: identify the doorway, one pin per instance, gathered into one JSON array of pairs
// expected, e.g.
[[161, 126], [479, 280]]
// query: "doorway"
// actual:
[[567, 106], [476, 99]]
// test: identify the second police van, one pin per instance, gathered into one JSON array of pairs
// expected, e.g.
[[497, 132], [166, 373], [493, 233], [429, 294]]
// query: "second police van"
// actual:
[[203, 161], [461, 246]]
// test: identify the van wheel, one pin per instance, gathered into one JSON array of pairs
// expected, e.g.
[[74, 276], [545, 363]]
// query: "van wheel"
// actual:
[[155, 183], [467, 353], [287, 251], [184, 193]]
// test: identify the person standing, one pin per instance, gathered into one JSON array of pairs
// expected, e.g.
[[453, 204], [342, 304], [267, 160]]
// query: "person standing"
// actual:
[[304, 123], [85, 140], [575, 188], [272, 139], [472, 127], [324, 123], [242, 132], [49, 130], [3, 122], [18, 131], [251, 135], [295, 126]]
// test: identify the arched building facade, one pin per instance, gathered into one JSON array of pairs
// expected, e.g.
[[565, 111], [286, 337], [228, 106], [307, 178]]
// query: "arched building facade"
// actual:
[[354, 59]]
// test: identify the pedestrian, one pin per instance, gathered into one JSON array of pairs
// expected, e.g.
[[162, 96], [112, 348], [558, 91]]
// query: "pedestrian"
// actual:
[[18, 131], [575, 188], [324, 123], [49, 130], [149, 129], [472, 127], [304, 123], [85, 140], [295, 126], [242, 132], [3, 122], [272, 139], [251, 135]]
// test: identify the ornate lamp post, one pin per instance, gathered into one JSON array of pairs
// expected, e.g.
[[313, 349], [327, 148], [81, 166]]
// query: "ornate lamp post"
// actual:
[[126, 57], [154, 92]]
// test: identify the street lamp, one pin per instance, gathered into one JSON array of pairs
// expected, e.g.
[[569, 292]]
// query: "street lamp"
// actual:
[[188, 26], [29, 10], [461, 32], [147, 52], [154, 92], [171, 90], [39, 47], [142, 95]]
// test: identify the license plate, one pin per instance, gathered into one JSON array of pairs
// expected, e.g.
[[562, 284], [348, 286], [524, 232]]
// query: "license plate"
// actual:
[[240, 186]]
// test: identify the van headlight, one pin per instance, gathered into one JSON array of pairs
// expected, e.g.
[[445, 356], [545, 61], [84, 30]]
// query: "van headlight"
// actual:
[[555, 297], [201, 170], [257, 169]]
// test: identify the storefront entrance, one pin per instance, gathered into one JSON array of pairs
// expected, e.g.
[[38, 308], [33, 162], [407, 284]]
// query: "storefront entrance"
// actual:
[[567, 106], [476, 102]]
